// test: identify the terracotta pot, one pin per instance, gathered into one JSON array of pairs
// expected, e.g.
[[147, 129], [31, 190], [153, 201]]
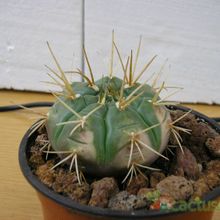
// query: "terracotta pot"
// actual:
[[57, 207]]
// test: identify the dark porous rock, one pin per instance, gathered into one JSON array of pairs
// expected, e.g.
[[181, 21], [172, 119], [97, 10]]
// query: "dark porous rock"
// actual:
[[201, 132], [200, 153], [102, 190], [177, 187], [46, 174], [137, 183], [155, 178], [207, 182], [213, 165], [185, 164], [200, 188], [126, 202], [67, 183], [213, 145], [212, 174], [36, 157], [64, 181], [187, 122], [212, 179], [80, 192]]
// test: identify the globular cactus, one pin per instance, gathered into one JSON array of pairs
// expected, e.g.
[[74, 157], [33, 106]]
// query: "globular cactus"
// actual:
[[109, 125]]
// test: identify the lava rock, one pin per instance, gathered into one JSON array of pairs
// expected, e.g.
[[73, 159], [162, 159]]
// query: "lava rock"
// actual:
[[187, 122], [213, 165], [213, 145], [200, 153], [137, 183], [126, 202], [64, 181], [207, 182], [36, 157], [46, 174], [185, 164], [102, 190], [200, 188], [201, 132], [212, 179], [177, 187], [155, 178], [80, 193]]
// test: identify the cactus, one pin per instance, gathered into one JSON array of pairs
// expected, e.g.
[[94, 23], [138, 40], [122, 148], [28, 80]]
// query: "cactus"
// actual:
[[110, 125]]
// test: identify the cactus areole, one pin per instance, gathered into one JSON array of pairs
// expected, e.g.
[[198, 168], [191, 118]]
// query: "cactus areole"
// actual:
[[109, 125]]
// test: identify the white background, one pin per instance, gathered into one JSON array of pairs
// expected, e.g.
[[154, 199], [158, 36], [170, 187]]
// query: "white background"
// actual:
[[186, 32]]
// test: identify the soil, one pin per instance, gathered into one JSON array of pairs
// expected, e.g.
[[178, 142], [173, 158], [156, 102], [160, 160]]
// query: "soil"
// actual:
[[190, 173]]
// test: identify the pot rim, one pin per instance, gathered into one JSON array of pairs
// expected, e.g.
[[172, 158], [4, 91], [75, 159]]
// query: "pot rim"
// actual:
[[95, 211]]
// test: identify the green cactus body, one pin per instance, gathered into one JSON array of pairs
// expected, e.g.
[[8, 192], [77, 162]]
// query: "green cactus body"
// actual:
[[103, 143]]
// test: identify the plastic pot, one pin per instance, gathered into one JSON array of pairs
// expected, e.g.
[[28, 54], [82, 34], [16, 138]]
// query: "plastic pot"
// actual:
[[57, 207]]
